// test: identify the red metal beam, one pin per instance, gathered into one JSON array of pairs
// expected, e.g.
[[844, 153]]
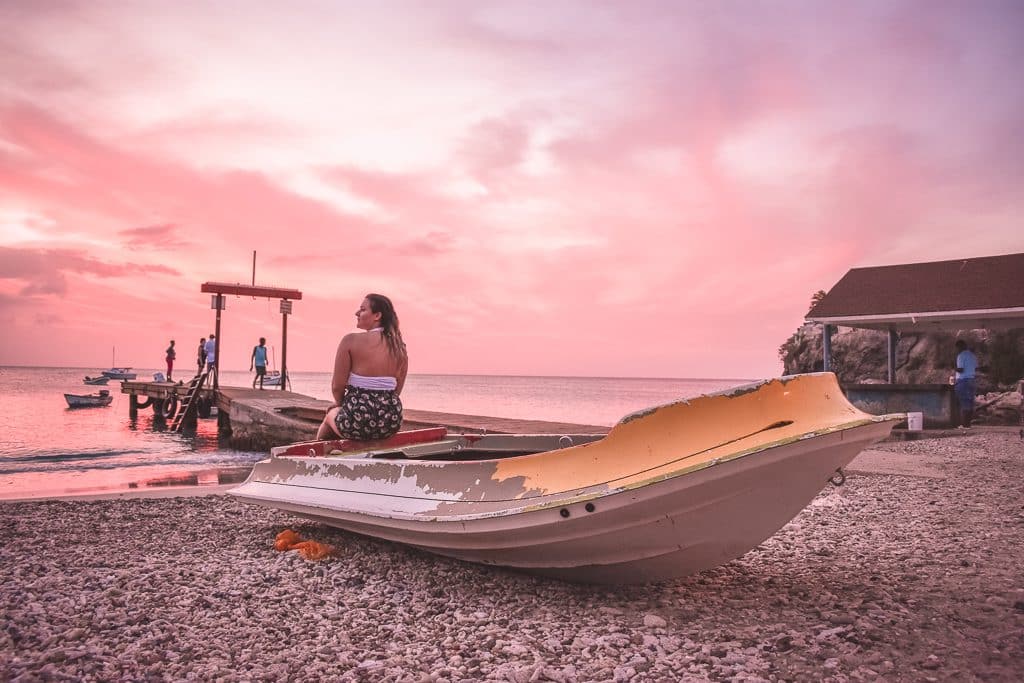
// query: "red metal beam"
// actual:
[[250, 290]]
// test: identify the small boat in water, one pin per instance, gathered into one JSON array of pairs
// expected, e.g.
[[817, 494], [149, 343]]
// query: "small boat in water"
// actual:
[[669, 491], [272, 379], [103, 398], [119, 373], [96, 381]]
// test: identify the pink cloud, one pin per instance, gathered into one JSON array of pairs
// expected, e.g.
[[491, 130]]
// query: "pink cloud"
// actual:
[[580, 212]]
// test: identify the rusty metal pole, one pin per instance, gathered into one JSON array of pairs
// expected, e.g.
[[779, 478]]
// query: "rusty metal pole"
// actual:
[[216, 345], [284, 350]]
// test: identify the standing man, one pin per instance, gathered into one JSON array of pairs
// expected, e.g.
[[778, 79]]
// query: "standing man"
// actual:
[[171, 355], [201, 355], [963, 386], [211, 354], [259, 359]]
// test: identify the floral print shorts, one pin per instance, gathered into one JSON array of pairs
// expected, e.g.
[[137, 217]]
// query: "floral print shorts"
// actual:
[[368, 415]]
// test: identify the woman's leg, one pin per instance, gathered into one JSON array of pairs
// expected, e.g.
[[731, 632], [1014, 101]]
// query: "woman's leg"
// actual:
[[328, 428]]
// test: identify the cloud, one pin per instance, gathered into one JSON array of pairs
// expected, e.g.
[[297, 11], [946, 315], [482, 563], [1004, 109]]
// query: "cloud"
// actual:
[[45, 271], [538, 185], [163, 237]]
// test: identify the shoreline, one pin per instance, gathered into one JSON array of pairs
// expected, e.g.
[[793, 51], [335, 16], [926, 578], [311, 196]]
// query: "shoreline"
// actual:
[[908, 575], [189, 484]]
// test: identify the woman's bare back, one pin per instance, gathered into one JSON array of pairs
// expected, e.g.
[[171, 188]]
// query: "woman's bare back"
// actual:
[[370, 355]]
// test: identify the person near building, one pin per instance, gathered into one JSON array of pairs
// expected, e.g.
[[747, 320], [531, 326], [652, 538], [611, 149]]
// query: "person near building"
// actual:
[[963, 381]]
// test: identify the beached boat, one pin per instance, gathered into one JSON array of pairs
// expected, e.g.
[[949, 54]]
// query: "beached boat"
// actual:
[[96, 381], [103, 398], [119, 373], [668, 491]]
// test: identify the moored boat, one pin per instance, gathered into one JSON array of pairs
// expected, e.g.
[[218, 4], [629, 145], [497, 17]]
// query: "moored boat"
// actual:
[[103, 398], [119, 373], [669, 491], [272, 378], [96, 381]]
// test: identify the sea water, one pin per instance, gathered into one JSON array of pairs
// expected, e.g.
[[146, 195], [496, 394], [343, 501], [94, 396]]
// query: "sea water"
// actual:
[[48, 449]]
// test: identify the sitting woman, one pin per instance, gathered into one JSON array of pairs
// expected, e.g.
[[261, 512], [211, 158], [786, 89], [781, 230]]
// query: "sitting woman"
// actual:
[[369, 372]]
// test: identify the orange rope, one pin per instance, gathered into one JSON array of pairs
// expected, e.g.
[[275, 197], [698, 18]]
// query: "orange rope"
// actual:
[[310, 550]]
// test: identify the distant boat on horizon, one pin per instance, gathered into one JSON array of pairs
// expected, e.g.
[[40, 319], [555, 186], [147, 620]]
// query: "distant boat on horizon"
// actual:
[[119, 373], [115, 372]]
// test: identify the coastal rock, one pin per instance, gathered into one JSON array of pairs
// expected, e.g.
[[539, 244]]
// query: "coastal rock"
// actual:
[[861, 357]]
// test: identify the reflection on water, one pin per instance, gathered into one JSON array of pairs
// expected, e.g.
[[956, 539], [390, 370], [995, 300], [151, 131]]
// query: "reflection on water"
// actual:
[[219, 477], [47, 449]]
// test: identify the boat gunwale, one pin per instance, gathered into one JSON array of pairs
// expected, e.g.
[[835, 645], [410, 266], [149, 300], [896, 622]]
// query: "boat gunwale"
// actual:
[[551, 500]]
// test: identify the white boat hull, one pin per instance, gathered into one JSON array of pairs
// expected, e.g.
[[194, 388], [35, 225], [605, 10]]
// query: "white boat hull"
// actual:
[[661, 496], [663, 530], [272, 379], [119, 373], [87, 401]]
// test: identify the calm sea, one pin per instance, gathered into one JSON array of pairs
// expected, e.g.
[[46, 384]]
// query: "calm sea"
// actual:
[[48, 449]]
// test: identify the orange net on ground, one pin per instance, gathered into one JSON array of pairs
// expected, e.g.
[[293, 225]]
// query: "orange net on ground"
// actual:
[[310, 550]]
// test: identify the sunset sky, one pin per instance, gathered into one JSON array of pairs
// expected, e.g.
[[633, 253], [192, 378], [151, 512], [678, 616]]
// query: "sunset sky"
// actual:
[[543, 188]]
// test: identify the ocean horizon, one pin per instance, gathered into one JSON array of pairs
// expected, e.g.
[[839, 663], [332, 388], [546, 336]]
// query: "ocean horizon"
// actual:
[[48, 449]]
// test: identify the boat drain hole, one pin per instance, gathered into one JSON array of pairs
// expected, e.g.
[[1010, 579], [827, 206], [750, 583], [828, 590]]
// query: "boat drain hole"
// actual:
[[564, 512], [589, 507]]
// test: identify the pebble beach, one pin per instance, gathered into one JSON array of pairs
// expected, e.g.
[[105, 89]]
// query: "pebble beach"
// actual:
[[913, 570]]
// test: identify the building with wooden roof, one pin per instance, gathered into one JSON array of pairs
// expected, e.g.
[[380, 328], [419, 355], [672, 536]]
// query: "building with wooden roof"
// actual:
[[963, 294]]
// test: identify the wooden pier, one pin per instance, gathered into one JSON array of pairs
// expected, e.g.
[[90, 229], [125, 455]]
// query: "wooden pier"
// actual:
[[251, 419]]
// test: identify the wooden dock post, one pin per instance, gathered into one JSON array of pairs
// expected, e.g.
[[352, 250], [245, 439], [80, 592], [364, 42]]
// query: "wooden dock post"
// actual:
[[133, 407]]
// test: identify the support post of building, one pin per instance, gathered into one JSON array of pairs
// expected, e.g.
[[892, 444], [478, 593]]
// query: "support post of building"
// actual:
[[826, 343], [893, 341]]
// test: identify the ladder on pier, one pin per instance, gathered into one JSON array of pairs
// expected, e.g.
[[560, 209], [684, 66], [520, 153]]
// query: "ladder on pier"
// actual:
[[190, 404]]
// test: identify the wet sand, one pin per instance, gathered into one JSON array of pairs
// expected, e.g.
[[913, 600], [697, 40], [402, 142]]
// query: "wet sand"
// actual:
[[911, 571]]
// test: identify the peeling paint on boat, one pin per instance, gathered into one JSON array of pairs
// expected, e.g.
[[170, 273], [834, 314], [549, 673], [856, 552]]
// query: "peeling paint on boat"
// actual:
[[689, 483]]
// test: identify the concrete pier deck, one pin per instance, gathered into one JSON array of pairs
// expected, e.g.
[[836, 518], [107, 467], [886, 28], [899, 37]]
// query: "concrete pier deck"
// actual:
[[253, 419], [262, 419]]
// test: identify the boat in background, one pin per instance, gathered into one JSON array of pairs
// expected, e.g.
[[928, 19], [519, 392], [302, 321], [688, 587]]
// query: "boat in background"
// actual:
[[669, 491], [273, 378], [119, 373], [102, 379], [103, 398], [116, 372]]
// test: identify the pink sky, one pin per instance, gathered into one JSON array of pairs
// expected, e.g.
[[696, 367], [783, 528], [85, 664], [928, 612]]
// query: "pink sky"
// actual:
[[549, 188]]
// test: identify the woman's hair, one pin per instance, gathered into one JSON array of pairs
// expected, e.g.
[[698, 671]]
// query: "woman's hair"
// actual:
[[388, 322]]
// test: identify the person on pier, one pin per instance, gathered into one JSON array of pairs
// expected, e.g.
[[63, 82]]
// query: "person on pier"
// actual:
[[201, 357], [211, 355], [259, 359], [171, 355], [369, 373]]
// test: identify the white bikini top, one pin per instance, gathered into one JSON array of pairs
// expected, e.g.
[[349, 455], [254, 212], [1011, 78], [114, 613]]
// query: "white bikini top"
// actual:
[[373, 383]]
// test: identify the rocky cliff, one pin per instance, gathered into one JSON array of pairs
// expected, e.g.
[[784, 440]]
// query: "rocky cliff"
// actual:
[[861, 356]]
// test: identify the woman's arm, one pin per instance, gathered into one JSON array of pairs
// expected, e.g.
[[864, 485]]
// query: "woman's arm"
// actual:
[[403, 369], [342, 369]]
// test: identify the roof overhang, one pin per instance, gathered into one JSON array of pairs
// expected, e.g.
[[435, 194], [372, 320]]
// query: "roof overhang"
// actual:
[[932, 321], [250, 290]]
